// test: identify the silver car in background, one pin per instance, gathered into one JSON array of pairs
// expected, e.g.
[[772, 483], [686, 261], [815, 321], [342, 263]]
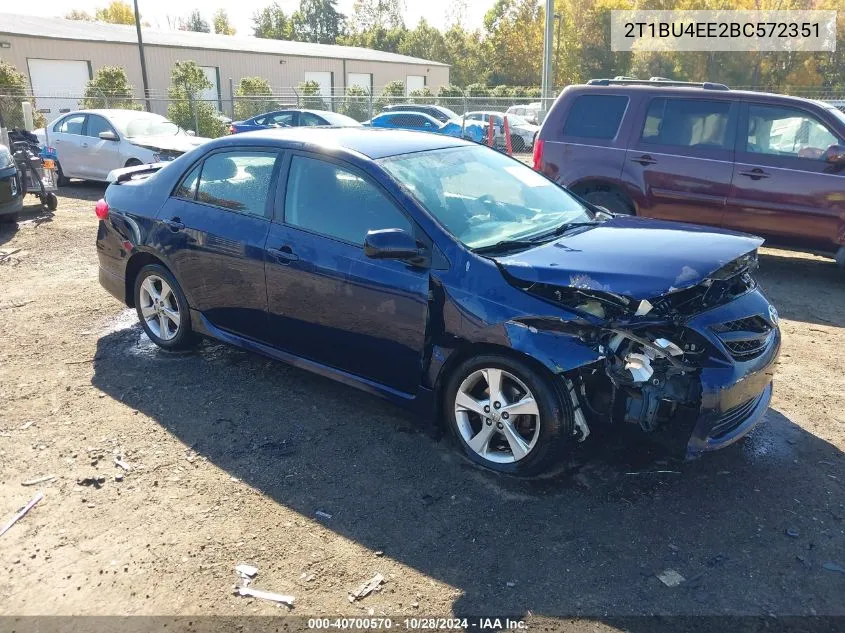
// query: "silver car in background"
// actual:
[[91, 143], [522, 132]]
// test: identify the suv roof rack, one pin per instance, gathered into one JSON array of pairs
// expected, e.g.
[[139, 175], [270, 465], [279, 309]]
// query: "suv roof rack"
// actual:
[[654, 81]]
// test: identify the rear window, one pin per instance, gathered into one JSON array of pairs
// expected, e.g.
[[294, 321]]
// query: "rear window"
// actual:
[[698, 123], [595, 116]]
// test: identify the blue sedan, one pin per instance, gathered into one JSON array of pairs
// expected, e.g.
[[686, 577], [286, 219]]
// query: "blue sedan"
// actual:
[[448, 278], [292, 118], [422, 122]]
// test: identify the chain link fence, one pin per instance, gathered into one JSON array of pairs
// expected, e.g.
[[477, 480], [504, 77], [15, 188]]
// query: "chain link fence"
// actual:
[[211, 117]]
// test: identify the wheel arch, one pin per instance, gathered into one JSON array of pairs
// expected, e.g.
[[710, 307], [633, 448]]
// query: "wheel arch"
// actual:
[[588, 185], [133, 267]]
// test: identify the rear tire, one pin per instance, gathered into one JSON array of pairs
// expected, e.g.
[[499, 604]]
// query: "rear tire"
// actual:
[[9, 218], [162, 308], [133, 162], [518, 144], [522, 430], [613, 201], [61, 179]]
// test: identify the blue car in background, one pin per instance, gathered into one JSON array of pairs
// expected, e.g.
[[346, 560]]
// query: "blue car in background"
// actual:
[[419, 121], [292, 117], [448, 278]]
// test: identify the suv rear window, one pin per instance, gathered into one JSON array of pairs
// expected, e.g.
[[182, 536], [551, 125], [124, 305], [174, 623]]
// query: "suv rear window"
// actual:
[[595, 116], [688, 123]]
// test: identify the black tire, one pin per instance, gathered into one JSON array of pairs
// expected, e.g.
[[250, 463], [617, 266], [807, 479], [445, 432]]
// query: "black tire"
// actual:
[[613, 201], [61, 179], [133, 162], [9, 218], [184, 335], [517, 144], [556, 415], [50, 201]]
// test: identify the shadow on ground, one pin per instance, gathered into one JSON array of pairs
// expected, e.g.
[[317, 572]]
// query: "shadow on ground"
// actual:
[[749, 528]]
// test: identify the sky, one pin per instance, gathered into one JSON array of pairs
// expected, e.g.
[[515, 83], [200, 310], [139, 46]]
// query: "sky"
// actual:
[[156, 12]]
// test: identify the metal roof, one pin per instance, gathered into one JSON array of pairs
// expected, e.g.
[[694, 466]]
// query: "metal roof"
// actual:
[[59, 28]]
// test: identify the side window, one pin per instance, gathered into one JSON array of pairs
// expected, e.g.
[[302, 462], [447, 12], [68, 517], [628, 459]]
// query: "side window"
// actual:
[[786, 132], [283, 118], [474, 117], [97, 124], [71, 125], [688, 123], [187, 189], [595, 116], [308, 119], [261, 120], [237, 180], [332, 201]]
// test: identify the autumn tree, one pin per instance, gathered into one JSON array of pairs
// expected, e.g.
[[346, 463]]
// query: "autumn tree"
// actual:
[[14, 89], [318, 21], [425, 42], [78, 14], [221, 23], [116, 13]]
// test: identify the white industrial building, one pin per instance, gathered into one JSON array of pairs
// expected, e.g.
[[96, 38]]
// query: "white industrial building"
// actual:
[[59, 56]]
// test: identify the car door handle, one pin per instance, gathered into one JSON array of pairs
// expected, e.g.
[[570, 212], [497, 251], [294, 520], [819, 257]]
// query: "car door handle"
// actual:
[[174, 224], [283, 255], [85, 145], [644, 160], [755, 174]]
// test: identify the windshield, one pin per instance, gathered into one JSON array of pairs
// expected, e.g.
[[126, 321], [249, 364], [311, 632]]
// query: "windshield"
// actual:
[[483, 197], [147, 125], [515, 119], [451, 114]]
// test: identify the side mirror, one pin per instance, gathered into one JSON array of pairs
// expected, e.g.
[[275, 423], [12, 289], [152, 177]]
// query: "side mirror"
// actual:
[[835, 155], [190, 133], [393, 244], [108, 135]]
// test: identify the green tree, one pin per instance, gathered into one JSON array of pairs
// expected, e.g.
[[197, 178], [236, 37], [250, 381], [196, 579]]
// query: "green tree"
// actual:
[[451, 97], [309, 96], [116, 13], [222, 26], [110, 88], [318, 21], [468, 54], [14, 89], [78, 14], [424, 41], [196, 23], [515, 40], [187, 81], [356, 103], [252, 97], [376, 24], [272, 23], [422, 96], [393, 92]]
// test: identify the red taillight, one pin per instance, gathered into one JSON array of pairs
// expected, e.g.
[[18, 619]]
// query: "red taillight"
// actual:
[[102, 209], [233, 129], [538, 155]]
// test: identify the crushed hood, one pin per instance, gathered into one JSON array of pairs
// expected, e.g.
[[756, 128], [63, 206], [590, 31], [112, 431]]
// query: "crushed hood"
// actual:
[[171, 142], [635, 257]]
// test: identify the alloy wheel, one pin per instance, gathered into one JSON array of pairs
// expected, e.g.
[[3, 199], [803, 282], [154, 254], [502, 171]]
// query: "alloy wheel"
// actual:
[[159, 307], [497, 415]]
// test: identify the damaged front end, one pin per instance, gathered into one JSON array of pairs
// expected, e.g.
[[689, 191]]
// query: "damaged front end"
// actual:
[[694, 363]]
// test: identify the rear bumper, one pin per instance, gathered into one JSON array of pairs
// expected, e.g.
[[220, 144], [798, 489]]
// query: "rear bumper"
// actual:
[[114, 284], [11, 206], [10, 202]]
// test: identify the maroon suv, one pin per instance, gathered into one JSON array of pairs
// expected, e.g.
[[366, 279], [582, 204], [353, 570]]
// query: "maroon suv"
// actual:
[[760, 163]]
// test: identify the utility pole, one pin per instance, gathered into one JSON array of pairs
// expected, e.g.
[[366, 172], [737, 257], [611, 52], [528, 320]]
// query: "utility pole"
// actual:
[[143, 59], [548, 77]]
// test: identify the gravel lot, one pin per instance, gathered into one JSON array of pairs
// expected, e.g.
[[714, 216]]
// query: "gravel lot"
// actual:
[[231, 456]]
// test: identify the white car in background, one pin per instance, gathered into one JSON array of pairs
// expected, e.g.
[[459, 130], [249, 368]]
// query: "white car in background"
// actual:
[[522, 132], [91, 143]]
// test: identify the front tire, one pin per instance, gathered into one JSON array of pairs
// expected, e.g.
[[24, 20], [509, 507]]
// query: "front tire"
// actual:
[[163, 309], [506, 415]]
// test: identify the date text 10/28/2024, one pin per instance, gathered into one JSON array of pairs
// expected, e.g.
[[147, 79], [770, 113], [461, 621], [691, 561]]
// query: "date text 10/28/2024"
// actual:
[[418, 624]]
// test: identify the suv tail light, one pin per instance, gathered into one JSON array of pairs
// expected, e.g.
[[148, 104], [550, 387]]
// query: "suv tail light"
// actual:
[[538, 155], [102, 209]]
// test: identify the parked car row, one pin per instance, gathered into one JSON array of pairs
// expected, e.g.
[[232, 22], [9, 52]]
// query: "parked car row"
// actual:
[[767, 164]]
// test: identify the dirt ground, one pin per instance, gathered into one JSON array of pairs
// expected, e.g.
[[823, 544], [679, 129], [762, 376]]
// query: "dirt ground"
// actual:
[[232, 456]]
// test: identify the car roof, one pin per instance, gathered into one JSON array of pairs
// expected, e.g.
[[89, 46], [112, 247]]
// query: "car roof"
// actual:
[[405, 113], [691, 90], [373, 143]]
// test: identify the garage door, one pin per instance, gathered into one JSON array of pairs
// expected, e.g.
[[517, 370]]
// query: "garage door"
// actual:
[[325, 81], [414, 82], [58, 84], [212, 94], [362, 80]]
